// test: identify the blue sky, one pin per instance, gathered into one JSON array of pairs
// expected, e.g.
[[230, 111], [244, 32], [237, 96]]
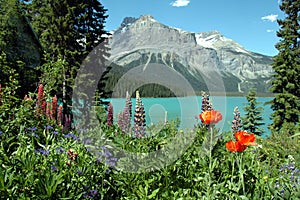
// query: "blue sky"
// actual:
[[251, 23]]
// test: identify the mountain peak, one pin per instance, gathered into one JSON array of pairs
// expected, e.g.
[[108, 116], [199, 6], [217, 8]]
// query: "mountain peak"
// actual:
[[146, 17], [127, 21]]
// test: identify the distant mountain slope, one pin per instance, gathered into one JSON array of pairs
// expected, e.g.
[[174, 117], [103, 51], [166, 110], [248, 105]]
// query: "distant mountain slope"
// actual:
[[199, 57]]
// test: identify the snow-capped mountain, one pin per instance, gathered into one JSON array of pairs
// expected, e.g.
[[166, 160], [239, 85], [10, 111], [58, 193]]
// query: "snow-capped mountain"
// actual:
[[197, 56]]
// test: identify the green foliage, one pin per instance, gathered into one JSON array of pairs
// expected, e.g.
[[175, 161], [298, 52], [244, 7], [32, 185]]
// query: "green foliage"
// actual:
[[68, 31], [286, 104], [9, 103], [41, 160], [17, 39], [19, 48], [282, 150], [50, 70], [38, 160], [253, 117]]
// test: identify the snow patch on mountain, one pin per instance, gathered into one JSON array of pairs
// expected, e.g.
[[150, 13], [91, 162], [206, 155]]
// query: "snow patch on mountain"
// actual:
[[215, 40]]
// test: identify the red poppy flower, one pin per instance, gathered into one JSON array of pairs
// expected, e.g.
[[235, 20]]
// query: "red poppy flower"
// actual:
[[235, 146], [210, 117], [245, 138]]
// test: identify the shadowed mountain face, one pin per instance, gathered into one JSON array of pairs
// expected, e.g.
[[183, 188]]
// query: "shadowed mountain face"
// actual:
[[207, 60]]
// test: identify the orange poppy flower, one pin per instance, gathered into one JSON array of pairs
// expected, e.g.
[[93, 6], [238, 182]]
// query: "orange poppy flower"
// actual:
[[235, 146], [210, 117], [245, 138]]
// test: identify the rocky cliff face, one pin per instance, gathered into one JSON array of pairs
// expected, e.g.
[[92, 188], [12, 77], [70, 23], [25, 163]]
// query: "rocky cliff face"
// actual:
[[199, 57]]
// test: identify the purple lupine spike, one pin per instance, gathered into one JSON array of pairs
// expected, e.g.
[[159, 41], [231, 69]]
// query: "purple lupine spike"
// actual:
[[124, 117], [110, 115], [128, 104], [67, 122], [206, 104], [139, 117], [126, 120], [236, 122], [120, 121]]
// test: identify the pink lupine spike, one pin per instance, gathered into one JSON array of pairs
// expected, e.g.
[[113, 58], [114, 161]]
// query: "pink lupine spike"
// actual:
[[48, 110], [110, 116], [41, 93], [54, 107], [44, 104], [59, 115], [41, 104]]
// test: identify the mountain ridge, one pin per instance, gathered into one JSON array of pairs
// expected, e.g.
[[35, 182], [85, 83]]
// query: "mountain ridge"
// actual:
[[139, 40]]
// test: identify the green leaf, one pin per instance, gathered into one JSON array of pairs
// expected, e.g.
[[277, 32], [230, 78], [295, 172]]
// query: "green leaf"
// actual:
[[153, 194]]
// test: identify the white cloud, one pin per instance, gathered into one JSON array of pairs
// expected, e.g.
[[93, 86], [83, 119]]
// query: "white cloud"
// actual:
[[180, 3], [270, 31], [271, 18]]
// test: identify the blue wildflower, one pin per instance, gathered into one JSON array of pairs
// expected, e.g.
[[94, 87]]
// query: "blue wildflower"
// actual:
[[98, 160], [106, 152], [86, 141], [291, 166], [54, 169], [91, 194], [112, 162], [42, 151], [48, 127], [0, 133], [60, 150], [33, 129], [55, 133], [71, 135], [79, 172]]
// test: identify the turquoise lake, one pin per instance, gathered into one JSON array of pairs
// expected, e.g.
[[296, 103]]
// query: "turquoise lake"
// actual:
[[187, 109]]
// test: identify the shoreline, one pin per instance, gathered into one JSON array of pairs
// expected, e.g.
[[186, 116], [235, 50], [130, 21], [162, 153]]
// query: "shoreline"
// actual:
[[228, 94]]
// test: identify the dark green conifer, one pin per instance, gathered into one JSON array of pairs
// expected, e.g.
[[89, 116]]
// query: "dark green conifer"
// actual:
[[19, 46], [286, 65], [253, 119], [69, 30]]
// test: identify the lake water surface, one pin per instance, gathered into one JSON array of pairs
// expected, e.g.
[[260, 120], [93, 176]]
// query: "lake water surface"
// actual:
[[187, 109]]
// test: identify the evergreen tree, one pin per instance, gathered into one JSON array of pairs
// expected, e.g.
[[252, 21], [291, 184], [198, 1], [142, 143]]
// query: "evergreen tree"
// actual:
[[68, 31], [18, 46], [286, 65], [253, 117]]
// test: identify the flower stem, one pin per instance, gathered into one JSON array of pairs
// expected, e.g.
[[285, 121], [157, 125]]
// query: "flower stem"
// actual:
[[210, 158], [241, 171]]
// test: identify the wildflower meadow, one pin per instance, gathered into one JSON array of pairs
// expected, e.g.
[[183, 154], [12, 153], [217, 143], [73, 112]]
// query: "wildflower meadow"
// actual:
[[60, 135], [44, 157]]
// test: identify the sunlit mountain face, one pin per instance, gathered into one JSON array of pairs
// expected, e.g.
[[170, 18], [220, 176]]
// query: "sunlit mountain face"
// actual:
[[199, 57]]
